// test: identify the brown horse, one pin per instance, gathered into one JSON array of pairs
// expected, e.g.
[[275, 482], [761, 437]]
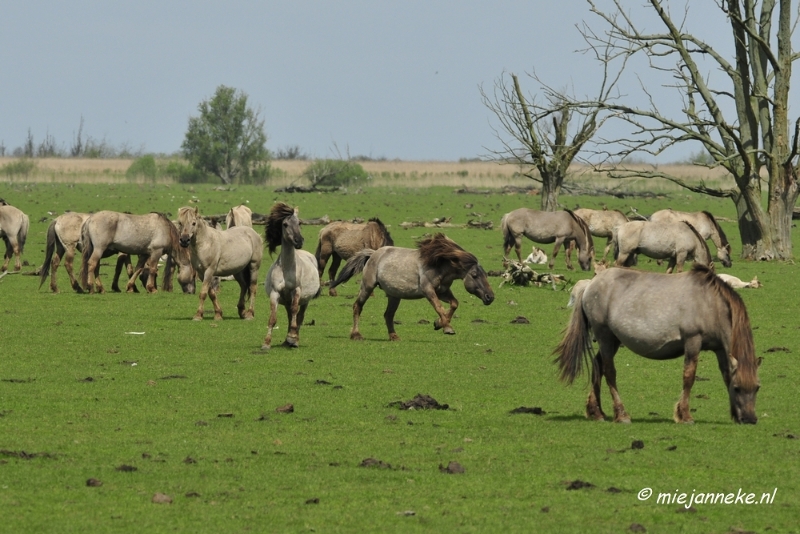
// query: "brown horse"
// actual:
[[557, 227], [425, 272], [705, 224], [149, 236], [662, 317], [677, 242], [342, 240], [602, 223], [14, 227], [236, 251], [293, 280]]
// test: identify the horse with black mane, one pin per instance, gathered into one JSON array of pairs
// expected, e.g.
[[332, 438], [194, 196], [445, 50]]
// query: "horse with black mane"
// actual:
[[293, 280], [661, 317], [425, 272]]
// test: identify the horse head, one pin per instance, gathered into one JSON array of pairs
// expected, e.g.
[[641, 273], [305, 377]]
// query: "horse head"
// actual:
[[477, 283], [187, 223], [724, 255], [742, 394], [291, 231], [283, 227]]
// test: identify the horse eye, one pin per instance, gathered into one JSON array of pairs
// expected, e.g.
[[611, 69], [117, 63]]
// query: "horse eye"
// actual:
[[736, 389]]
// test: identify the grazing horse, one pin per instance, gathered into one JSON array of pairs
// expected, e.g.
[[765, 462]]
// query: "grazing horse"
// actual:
[[557, 227], [676, 241], [236, 251], [239, 215], [661, 317], [14, 227], [602, 223], [425, 272], [342, 240], [705, 224], [63, 239], [148, 236], [292, 280]]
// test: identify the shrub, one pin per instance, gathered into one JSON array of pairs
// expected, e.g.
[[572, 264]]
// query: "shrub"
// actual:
[[186, 174], [22, 167], [144, 166], [334, 173]]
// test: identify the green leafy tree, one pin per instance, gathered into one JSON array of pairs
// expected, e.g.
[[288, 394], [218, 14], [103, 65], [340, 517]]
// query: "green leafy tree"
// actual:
[[227, 139]]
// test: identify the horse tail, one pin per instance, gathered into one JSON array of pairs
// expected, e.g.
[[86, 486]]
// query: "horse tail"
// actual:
[[576, 346], [48, 255], [22, 234], [318, 252], [353, 266], [615, 241], [509, 240], [86, 253], [703, 245]]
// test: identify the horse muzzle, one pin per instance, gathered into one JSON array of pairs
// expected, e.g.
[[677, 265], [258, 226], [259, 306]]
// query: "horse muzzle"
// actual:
[[487, 299], [298, 243], [184, 241]]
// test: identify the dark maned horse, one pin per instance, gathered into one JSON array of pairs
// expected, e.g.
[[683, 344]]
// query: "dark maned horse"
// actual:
[[425, 272], [292, 280], [661, 317], [148, 236], [602, 223], [706, 225], [342, 240], [14, 225], [236, 251], [557, 227]]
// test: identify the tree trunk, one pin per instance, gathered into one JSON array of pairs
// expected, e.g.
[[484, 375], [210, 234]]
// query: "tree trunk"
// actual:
[[754, 225], [783, 195], [549, 195]]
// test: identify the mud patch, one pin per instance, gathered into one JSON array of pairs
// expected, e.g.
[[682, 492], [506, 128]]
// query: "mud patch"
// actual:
[[519, 319], [18, 380], [420, 402], [778, 349], [93, 483], [453, 468], [286, 408], [637, 444], [535, 410], [173, 377], [22, 455], [578, 484], [162, 498], [124, 468], [372, 462]]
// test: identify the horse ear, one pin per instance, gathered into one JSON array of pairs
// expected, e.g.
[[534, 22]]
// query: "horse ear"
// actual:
[[196, 210], [758, 361], [733, 364]]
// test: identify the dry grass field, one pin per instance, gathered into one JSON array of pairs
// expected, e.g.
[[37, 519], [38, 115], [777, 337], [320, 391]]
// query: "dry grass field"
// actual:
[[472, 174]]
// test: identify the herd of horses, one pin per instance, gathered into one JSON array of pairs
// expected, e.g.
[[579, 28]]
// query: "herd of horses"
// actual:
[[656, 315]]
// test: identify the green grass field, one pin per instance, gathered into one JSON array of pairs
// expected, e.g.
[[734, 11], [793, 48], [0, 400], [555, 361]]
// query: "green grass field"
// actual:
[[188, 409]]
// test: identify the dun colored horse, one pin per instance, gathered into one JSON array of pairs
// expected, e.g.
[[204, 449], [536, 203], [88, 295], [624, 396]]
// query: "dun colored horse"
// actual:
[[705, 224], [239, 215], [236, 251], [661, 317], [292, 281], [676, 242], [425, 272], [341, 240], [559, 227], [602, 223], [148, 236], [14, 227]]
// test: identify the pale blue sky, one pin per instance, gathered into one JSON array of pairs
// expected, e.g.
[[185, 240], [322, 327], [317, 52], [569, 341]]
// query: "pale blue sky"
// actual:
[[381, 79]]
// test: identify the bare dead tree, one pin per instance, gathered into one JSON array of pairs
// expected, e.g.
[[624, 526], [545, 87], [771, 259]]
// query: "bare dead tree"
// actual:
[[751, 141], [545, 139]]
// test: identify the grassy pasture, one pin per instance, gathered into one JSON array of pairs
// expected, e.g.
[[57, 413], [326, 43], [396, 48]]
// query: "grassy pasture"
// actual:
[[195, 416]]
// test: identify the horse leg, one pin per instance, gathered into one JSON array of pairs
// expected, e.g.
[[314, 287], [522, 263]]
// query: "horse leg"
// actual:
[[673, 261], [558, 242], [122, 259], [54, 263], [443, 322], [608, 247], [593, 409], [7, 256], [152, 265], [207, 276], [273, 318], [251, 313], [292, 310], [438, 323], [691, 352], [608, 349], [93, 282], [212, 293], [335, 262], [358, 306], [131, 286], [243, 286], [388, 317]]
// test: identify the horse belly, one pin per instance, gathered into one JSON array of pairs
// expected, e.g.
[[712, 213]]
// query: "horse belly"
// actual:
[[652, 335]]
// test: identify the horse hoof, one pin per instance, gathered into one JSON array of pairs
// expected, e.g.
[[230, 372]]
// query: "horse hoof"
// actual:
[[449, 330], [394, 337], [437, 324], [356, 337], [197, 318], [625, 420], [291, 343], [218, 317], [265, 347], [248, 317], [333, 293]]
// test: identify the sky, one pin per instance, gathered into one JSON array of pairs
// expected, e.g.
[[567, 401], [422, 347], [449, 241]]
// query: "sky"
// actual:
[[395, 80]]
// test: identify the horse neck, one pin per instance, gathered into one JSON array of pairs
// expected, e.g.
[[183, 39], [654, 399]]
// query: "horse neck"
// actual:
[[288, 255]]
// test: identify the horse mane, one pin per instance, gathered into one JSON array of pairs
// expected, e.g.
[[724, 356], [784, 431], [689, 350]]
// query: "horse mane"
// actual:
[[439, 249], [742, 347], [584, 226], [722, 237], [274, 231], [387, 239], [623, 214], [700, 239]]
